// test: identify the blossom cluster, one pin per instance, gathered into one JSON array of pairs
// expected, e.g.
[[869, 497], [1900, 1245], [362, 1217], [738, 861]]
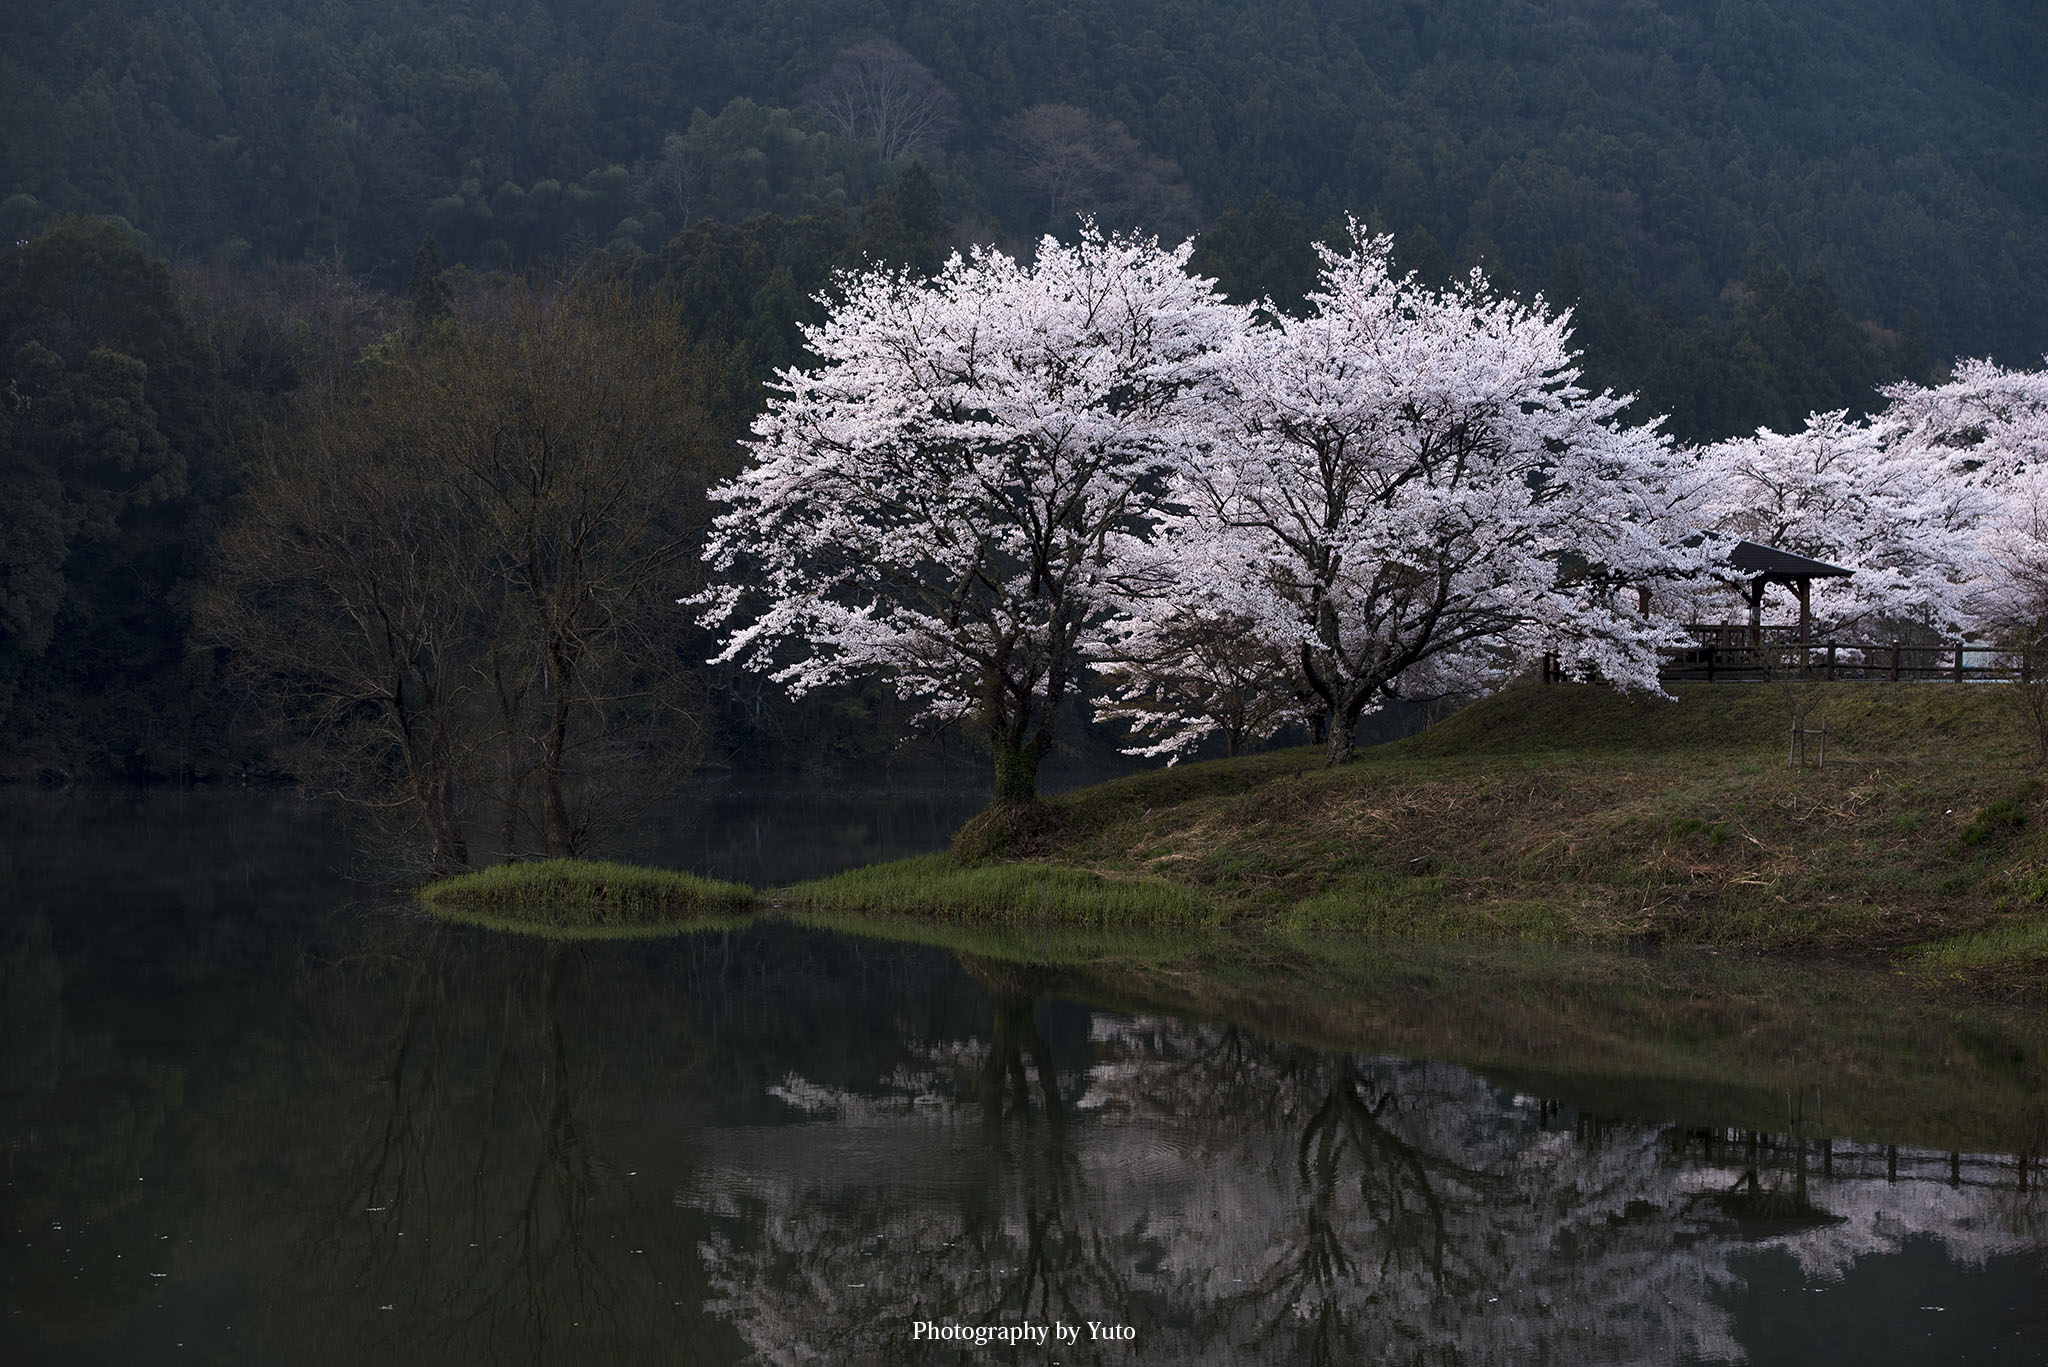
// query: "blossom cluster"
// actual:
[[997, 478]]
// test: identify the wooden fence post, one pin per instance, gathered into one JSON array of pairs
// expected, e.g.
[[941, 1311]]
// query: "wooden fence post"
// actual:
[[1831, 661], [1959, 662], [1895, 661]]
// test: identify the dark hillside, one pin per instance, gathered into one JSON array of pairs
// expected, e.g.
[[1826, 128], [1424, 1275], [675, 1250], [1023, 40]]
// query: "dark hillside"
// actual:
[[1649, 146]]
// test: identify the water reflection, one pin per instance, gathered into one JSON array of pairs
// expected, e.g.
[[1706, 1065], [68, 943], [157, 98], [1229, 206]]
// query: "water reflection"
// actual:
[[241, 1127], [1239, 1200], [456, 1171]]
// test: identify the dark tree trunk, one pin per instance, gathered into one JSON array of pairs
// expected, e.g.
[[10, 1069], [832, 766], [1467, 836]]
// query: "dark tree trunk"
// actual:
[[559, 836], [1343, 724], [1017, 768]]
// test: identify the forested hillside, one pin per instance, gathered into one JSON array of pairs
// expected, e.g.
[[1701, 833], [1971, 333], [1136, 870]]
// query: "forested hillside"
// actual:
[[1646, 145], [1756, 208]]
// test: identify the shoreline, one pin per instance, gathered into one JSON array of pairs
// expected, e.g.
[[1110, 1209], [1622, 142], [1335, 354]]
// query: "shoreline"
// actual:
[[1560, 814]]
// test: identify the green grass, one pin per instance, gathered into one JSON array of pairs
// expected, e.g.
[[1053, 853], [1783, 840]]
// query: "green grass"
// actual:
[[583, 898], [944, 887], [2015, 944]]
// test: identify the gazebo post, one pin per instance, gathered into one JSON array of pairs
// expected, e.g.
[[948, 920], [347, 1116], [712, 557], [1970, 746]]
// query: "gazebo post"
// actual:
[[1803, 586]]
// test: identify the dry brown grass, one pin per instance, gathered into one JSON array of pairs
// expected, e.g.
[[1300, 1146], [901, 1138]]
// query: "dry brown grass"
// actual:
[[1568, 813]]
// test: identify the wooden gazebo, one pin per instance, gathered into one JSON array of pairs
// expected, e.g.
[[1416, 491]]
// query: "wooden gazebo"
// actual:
[[1762, 566], [1751, 568]]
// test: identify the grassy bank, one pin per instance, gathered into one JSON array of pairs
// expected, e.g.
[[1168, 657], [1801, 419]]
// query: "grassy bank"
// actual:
[[949, 888], [585, 898], [1560, 814]]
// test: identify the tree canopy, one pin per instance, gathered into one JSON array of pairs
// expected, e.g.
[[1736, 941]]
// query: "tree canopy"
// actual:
[[1651, 147]]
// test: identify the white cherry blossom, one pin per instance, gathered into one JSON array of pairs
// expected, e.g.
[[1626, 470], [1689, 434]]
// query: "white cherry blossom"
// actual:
[[958, 492]]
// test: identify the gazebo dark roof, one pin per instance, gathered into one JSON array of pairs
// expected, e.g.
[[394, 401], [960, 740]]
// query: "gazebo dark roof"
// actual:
[[1760, 566], [1753, 559]]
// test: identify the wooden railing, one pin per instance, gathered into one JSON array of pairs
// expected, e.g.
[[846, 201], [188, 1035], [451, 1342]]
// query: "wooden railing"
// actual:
[[1738, 653]]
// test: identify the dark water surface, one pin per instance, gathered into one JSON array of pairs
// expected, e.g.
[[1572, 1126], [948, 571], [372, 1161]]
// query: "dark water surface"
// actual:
[[252, 1114]]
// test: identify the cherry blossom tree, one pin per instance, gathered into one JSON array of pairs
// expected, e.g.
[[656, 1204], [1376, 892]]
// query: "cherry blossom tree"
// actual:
[[1412, 495], [1986, 431], [958, 493], [1865, 495], [1211, 670], [1931, 501], [1188, 664], [1991, 421]]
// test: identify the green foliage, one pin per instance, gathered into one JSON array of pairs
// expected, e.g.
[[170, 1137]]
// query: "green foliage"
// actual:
[[752, 286], [111, 464], [426, 291], [1786, 349], [1266, 254], [582, 898], [945, 888], [906, 224]]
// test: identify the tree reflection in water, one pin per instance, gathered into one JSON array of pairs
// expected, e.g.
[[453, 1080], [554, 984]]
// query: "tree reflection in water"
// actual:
[[454, 1125], [1237, 1199], [420, 1144]]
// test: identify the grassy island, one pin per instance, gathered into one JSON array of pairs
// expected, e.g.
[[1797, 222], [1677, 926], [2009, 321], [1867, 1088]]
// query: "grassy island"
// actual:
[[1558, 814], [583, 898]]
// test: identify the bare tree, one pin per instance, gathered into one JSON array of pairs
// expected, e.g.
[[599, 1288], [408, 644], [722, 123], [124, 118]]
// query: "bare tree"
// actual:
[[333, 599], [1083, 164], [1242, 685], [462, 574], [876, 92], [680, 177]]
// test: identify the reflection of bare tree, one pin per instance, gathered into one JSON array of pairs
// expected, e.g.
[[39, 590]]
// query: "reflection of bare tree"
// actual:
[[452, 1171], [81, 1119]]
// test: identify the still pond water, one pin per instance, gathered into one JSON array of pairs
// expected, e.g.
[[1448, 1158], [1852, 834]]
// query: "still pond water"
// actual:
[[255, 1114]]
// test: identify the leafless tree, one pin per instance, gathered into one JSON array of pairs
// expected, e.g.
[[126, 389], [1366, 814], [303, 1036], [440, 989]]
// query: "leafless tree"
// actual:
[[462, 574], [878, 93], [680, 176], [1084, 164]]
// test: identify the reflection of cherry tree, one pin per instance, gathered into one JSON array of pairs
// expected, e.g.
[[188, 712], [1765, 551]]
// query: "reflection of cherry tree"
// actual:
[[839, 1279], [1239, 1200], [1384, 1211]]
